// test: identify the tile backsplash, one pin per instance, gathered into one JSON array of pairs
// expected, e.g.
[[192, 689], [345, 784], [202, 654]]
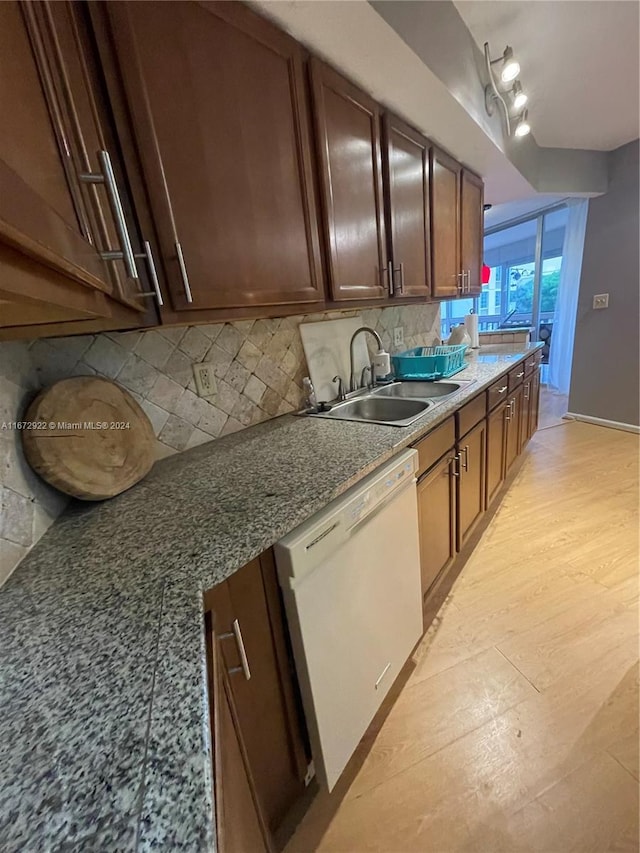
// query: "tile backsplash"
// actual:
[[258, 366]]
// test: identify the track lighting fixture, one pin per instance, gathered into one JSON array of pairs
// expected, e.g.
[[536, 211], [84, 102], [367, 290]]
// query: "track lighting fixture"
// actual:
[[523, 128], [519, 97], [511, 99], [510, 68]]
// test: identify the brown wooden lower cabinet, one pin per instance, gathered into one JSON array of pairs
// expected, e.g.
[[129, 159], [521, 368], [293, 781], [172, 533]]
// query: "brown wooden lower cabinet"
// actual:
[[238, 824], [513, 417], [525, 414], [471, 482], [437, 519], [496, 445], [458, 482], [246, 624], [534, 409]]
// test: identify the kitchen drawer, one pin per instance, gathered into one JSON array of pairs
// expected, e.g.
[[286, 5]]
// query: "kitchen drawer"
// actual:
[[532, 362], [471, 414], [496, 393], [515, 376], [434, 445]]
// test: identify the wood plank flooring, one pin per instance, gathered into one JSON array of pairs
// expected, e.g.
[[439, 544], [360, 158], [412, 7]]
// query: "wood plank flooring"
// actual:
[[517, 730]]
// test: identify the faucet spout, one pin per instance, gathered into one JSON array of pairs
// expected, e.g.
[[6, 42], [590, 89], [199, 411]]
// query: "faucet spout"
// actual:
[[353, 386]]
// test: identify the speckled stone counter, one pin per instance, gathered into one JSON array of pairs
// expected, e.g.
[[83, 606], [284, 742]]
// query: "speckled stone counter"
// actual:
[[104, 726]]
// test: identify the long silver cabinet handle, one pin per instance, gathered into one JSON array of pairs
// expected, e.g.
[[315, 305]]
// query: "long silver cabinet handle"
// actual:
[[453, 463], [401, 277], [108, 178], [183, 273], [465, 464], [147, 255], [237, 633], [390, 274]]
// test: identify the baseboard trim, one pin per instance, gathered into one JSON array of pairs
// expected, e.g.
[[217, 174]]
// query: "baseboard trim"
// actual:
[[603, 422]]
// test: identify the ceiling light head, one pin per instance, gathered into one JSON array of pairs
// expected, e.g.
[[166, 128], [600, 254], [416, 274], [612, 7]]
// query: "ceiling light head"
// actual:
[[523, 128], [510, 68], [519, 97]]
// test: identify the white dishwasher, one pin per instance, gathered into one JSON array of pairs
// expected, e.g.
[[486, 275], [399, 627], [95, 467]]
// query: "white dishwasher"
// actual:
[[350, 577]]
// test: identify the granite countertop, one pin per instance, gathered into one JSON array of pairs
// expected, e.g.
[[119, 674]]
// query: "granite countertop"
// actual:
[[104, 721]]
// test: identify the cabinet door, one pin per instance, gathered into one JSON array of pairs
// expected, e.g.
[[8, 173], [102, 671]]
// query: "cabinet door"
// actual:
[[238, 825], [496, 445], [471, 483], [471, 231], [348, 144], [43, 212], [437, 520], [445, 225], [265, 702], [405, 161], [525, 414], [534, 407], [220, 115], [513, 428]]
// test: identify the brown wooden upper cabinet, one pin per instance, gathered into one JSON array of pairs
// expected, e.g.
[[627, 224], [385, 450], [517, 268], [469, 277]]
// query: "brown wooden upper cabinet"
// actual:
[[60, 199], [471, 232], [445, 225], [456, 228], [405, 160], [348, 142], [219, 109]]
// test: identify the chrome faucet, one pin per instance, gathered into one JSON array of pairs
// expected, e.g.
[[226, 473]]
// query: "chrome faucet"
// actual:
[[352, 378]]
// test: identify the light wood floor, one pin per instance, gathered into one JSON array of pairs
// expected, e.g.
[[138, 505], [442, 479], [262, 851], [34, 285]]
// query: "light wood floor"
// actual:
[[518, 729], [552, 407]]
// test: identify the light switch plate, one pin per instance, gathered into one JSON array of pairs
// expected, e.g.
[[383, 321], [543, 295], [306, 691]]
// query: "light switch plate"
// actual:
[[398, 336], [205, 380], [601, 300]]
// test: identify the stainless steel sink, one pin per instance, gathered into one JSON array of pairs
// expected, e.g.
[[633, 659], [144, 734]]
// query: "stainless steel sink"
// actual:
[[398, 404], [375, 409], [418, 390]]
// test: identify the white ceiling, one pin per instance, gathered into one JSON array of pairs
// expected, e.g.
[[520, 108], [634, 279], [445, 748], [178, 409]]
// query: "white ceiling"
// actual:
[[510, 210], [579, 64]]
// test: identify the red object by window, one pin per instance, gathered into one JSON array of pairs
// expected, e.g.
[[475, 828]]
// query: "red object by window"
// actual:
[[486, 274]]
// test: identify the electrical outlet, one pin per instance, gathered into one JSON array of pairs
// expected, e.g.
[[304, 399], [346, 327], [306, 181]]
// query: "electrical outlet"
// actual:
[[601, 300], [205, 380], [398, 336]]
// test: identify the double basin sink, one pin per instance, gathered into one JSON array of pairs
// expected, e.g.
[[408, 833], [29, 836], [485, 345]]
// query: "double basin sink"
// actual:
[[398, 404]]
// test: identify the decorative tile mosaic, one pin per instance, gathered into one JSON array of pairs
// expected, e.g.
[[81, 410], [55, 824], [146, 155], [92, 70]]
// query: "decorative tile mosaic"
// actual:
[[258, 366]]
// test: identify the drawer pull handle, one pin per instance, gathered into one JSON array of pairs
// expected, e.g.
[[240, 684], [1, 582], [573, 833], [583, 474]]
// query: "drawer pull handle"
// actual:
[[244, 662], [501, 390], [520, 375]]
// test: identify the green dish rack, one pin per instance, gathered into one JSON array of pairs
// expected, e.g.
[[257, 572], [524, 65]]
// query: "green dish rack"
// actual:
[[429, 362]]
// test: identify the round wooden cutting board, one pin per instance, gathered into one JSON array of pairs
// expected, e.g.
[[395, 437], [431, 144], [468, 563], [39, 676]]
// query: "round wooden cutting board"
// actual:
[[88, 437]]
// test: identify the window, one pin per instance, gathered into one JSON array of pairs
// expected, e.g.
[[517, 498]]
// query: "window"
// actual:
[[525, 260]]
